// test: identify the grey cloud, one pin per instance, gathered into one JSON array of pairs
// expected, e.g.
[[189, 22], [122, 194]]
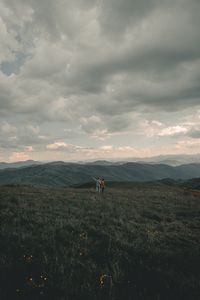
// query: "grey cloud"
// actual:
[[71, 60], [17, 138], [155, 60], [194, 133], [51, 17], [117, 15], [105, 125]]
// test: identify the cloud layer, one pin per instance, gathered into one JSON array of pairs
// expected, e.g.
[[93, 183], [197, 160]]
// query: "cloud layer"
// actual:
[[82, 75]]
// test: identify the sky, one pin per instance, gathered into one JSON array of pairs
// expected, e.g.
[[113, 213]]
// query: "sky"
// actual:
[[90, 79]]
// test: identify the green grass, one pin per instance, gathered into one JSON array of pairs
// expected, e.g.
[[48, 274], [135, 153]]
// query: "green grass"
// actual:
[[139, 242]]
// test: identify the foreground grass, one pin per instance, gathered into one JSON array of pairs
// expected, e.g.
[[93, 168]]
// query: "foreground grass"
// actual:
[[142, 242]]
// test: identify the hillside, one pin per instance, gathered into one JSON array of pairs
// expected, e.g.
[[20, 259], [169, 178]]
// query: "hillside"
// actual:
[[60, 174], [140, 242], [193, 183]]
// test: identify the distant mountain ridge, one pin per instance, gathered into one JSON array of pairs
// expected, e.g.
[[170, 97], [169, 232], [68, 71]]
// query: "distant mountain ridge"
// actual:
[[18, 164], [170, 160], [60, 174]]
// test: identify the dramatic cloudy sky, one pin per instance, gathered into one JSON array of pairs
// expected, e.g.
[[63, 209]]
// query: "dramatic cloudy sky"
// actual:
[[84, 79]]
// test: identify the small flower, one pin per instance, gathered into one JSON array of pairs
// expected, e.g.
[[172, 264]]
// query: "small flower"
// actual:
[[102, 279], [28, 258], [84, 235]]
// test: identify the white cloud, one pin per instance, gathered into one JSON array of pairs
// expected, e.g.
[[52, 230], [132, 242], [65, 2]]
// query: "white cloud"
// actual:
[[63, 146], [57, 145], [173, 130], [107, 148]]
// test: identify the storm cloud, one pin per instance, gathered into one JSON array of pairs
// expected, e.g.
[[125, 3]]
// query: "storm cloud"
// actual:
[[121, 75]]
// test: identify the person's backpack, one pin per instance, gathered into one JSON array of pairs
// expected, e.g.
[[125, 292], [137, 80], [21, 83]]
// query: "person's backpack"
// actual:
[[102, 183]]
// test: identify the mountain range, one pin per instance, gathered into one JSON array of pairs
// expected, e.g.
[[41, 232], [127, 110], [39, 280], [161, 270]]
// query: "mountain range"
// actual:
[[18, 164], [171, 160], [61, 174]]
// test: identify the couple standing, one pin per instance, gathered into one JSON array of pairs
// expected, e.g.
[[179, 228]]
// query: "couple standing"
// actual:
[[100, 184]]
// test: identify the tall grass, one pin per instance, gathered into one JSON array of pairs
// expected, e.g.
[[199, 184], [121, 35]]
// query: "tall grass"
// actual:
[[141, 242]]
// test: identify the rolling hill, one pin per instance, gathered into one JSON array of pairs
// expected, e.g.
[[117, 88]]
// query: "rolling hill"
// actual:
[[18, 164], [60, 174]]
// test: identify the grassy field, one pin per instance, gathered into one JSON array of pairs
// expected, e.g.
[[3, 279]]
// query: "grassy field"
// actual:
[[138, 242]]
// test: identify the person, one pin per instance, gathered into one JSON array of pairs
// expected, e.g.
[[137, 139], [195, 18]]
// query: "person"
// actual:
[[102, 185], [98, 184]]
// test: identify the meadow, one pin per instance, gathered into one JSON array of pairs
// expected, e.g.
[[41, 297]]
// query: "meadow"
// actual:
[[136, 241]]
